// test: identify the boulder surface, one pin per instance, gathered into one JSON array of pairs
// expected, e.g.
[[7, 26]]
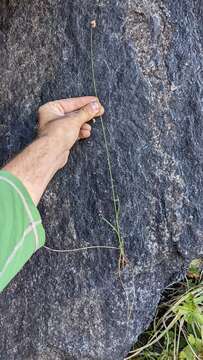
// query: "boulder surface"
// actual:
[[148, 64]]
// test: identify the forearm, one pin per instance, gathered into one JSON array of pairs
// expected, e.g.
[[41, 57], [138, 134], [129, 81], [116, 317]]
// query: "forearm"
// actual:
[[36, 165]]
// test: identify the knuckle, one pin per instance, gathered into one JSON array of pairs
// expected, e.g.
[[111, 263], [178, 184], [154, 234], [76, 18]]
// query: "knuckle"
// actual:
[[45, 107], [41, 109]]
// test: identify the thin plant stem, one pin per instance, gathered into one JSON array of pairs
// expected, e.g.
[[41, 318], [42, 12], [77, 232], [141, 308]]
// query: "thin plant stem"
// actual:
[[81, 249], [116, 206], [181, 324], [175, 342]]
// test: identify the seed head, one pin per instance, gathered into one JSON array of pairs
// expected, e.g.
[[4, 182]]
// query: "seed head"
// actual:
[[93, 24]]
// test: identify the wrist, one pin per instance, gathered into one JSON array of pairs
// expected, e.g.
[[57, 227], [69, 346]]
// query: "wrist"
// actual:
[[54, 149]]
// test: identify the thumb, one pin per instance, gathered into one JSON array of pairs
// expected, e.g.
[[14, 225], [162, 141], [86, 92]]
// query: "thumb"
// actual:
[[88, 112]]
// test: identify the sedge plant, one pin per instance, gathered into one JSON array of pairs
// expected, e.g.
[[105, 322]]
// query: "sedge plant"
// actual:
[[116, 203], [115, 226]]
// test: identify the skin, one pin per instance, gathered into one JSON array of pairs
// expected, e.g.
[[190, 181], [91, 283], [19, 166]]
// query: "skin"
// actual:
[[60, 124]]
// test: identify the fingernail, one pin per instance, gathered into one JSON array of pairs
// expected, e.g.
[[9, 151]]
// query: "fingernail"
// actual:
[[95, 106]]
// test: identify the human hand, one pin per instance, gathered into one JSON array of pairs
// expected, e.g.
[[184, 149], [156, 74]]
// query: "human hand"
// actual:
[[64, 122], [61, 124]]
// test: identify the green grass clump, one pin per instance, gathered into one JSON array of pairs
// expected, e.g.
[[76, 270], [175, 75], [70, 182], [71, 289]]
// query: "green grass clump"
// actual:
[[177, 330]]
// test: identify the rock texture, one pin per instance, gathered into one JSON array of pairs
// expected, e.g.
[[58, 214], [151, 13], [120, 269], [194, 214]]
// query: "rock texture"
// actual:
[[148, 60]]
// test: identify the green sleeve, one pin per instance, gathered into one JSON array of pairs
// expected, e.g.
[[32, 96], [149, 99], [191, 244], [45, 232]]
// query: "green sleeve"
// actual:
[[21, 230]]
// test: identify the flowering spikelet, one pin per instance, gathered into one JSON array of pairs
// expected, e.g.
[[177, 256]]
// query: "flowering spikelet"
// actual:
[[93, 24]]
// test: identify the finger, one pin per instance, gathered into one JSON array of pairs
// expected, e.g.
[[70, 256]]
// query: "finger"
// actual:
[[73, 104], [58, 108], [87, 113], [86, 127], [84, 134]]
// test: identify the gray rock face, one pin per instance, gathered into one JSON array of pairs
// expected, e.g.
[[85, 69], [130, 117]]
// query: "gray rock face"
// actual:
[[148, 60]]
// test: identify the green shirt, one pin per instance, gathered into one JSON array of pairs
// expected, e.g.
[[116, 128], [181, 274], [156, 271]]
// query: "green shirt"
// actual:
[[21, 230]]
